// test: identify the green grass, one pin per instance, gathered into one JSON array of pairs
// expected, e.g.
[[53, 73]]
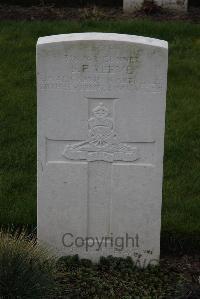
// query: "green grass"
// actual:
[[26, 269], [181, 192]]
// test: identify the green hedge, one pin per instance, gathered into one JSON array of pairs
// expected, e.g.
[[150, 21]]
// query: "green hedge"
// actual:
[[69, 3]]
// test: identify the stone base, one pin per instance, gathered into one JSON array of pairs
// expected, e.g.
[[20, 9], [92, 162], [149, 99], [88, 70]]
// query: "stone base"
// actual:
[[133, 5]]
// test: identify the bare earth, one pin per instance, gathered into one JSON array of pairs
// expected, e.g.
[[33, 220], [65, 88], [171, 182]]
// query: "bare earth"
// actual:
[[92, 13]]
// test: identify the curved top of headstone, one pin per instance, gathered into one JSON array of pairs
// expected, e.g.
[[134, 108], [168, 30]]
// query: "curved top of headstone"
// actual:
[[96, 36]]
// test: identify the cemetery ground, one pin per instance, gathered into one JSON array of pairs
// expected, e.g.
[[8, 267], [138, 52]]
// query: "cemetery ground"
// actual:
[[54, 12], [181, 186]]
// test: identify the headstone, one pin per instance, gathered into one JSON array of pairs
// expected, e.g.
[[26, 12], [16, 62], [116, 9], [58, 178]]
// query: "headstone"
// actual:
[[101, 118], [133, 5]]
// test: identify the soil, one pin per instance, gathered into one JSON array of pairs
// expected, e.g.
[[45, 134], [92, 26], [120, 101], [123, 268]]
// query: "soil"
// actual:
[[93, 13]]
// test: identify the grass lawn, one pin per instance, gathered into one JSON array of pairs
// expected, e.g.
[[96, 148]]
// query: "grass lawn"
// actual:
[[181, 190]]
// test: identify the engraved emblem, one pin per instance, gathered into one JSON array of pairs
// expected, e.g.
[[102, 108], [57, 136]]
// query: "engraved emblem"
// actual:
[[102, 143]]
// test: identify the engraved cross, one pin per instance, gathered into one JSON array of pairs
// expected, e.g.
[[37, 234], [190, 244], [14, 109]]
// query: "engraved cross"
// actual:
[[101, 150]]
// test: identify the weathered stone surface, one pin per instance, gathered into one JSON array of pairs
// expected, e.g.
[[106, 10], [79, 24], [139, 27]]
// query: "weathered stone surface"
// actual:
[[101, 116], [133, 5]]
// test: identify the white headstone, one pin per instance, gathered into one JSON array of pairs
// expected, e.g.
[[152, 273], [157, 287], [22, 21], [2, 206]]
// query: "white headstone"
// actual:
[[133, 5], [101, 118]]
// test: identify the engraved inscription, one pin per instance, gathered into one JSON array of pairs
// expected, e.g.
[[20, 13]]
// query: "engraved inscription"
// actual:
[[97, 82], [99, 72], [102, 143]]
